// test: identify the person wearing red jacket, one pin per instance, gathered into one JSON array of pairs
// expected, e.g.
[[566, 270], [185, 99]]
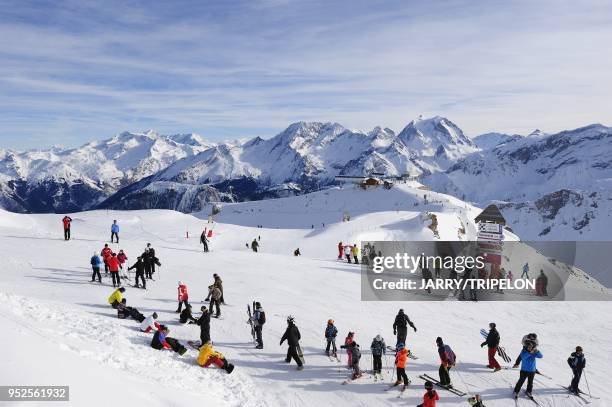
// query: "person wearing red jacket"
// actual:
[[66, 221], [106, 254], [430, 397], [122, 257], [183, 296], [113, 266], [340, 251]]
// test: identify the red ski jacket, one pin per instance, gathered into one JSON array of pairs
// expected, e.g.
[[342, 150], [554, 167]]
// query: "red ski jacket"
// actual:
[[182, 293], [113, 264], [66, 222]]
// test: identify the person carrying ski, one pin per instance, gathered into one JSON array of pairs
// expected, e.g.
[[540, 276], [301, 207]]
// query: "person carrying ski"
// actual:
[[183, 296], [400, 326], [347, 342], [113, 267], [186, 317], [149, 323], [430, 397], [259, 319], [66, 222], [525, 273], [447, 361], [347, 252], [292, 336], [355, 357], [529, 355], [330, 337], [208, 356], [106, 253], [140, 272], [204, 323], [355, 253], [115, 231], [378, 348], [161, 340], [204, 240], [115, 298], [401, 357], [492, 343], [95, 262], [215, 299], [254, 245], [577, 362], [340, 250]]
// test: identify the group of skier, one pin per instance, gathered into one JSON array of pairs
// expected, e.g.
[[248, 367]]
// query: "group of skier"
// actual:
[[113, 263]]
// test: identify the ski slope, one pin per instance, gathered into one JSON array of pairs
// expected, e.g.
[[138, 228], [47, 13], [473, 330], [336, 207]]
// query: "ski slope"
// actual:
[[59, 329]]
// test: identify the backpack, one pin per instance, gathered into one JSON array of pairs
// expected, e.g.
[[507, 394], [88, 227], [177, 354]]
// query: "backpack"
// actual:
[[93, 261], [262, 318], [452, 358]]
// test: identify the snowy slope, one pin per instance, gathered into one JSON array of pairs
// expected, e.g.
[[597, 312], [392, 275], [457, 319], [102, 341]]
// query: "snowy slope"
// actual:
[[48, 304], [491, 140]]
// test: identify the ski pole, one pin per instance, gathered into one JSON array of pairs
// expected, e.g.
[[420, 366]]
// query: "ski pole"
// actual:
[[462, 381], [587, 383]]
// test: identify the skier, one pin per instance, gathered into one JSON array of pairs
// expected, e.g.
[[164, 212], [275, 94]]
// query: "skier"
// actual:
[[186, 317], [254, 245], [149, 323], [140, 270], [149, 260], [215, 299], [115, 298], [340, 250], [183, 296], [347, 341], [492, 343], [400, 327], [209, 356], [122, 257], [525, 272], [162, 340], [355, 253], [378, 348], [528, 368], [330, 337], [113, 267], [204, 240], [355, 357], [66, 221], [430, 397], [401, 357], [153, 258], [347, 252], [114, 231], [106, 253], [542, 284], [577, 362], [259, 319], [292, 336], [95, 267], [447, 359], [296, 252], [204, 323], [219, 284], [527, 338]]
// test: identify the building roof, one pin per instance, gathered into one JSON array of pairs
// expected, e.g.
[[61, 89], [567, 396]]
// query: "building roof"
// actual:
[[491, 214]]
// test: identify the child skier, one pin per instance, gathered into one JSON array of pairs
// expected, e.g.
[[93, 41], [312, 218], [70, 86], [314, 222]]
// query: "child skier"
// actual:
[[401, 356], [330, 336], [347, 342], [430, 397], [577, 362], [355, 357], [378, 348]]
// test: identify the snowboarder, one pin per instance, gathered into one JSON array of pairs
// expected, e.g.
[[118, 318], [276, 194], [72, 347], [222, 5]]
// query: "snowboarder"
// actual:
[[149, 323], [161, 340], [292, 336], [330, 337], [378, 348], [66, 221], [296, 252], [95, 262], [401, 357], [400, 327], [254, 245], [113, 267], [123, 311], [115, 298], [340, 250], [215, 299], [106, 253], [492, 343], [183, 296], [204, 240], [529, 354], [140, 272], [430, 397], [115, 231], [186, 317], [204, 323], [208, 356], [347, 252], [355, 253], [347, 342], [447, 361], [577, 362], [542, 285], [355, 357], [525, 273], [259, 319]]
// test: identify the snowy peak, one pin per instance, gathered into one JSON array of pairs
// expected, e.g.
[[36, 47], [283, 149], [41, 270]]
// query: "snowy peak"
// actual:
[[491, 140]]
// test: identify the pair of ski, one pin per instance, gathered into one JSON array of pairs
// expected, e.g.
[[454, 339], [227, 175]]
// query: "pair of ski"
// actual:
[[442, 386], [516, 399], [333, 357], [500, 349], [579, 395], [410, 354], [402, 389]]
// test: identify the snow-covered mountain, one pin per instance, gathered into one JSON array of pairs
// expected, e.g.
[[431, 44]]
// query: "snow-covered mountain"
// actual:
[[303, 158], [550, 185], [61, 179], [491, 140]]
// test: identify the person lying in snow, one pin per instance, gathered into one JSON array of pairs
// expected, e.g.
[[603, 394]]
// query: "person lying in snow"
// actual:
[[161, 340], [209, 356]]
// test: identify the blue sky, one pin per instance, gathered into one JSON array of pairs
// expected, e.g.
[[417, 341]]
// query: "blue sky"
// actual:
[[73, 71]]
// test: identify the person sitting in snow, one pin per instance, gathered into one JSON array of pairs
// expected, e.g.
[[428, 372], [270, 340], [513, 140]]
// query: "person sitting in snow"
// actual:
[[161, 340], [150, 323], [186, 317], [209, 356], [115, 298]]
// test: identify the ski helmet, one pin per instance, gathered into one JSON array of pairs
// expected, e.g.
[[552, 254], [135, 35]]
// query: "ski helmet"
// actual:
[[330, 322], [439, 340], [290, 319], [401, 311], [428, 385], [351, 334], [400, 346], [203, 308], [155, 315], [378, 338]]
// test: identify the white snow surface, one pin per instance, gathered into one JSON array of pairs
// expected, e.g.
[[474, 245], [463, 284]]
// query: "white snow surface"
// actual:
[[59, 329]]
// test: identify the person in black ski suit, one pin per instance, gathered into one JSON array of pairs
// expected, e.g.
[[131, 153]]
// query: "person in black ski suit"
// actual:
[[204, 323], [186, 317], [577, 362], [149, 260], [400, 327], [330, 336], [356, 356], [161, 340], [378, 348], [152, 255], [447, 361], [292, 336], [259, 319], [204, 241], [140, 272]]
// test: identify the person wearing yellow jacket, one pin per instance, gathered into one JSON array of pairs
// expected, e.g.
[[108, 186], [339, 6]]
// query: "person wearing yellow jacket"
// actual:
[[208, 355], [355, 252], [116, 297]]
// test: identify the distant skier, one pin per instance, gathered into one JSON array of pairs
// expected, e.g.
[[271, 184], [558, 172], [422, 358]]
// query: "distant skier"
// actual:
[[215, 299], [183, 296], [577, 362], [161, 340], [400, 326], [355, 358], [186, 317], [204, 240], [525, 273], [208, 356], [113, 267], [355, 253], [66, 221], [204, 323], [542, 285], [340, 250], [492, 343], [292, 336], [447, 361], [430, 397], [347, 342], [401, 357], [296, 252], [115, 298], [528, 368], [259, 319], [115, 231], [378, 348], [106, 253], [140, 272], [254, 245], [95, 262], [347, 252], [149, 323], [330, 337]]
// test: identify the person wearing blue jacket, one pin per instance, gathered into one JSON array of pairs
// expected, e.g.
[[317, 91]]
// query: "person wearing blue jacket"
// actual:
[[330, 336], [528, 368], [96, 262], [114, 231]]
